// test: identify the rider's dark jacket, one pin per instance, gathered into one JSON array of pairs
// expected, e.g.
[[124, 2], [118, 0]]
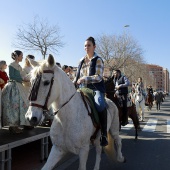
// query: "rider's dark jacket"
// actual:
[[120, 80], [150, 90], [92, 70]]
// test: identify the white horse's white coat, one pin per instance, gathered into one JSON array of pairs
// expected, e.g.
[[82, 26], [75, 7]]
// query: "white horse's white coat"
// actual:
[[72, 127], [139, 102]]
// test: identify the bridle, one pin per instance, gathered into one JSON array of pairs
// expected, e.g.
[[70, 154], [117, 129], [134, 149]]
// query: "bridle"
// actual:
[[33, 98]]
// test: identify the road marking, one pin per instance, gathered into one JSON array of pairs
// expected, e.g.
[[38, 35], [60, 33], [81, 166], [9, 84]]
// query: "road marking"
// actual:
[[128, 126], [168, 126], [150, 125]]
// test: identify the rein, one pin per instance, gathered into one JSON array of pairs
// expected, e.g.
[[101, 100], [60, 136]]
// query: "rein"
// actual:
[[44, 107], [64, 104]]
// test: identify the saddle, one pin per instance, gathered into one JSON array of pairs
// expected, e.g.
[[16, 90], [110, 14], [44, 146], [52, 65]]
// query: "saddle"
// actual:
[[88, 98]]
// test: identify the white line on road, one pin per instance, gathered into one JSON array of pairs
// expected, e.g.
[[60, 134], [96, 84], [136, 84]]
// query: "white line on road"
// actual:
[[168, 126], [150, 126], [128, 126]]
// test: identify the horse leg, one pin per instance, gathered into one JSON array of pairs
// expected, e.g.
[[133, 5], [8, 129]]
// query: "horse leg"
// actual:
[[138, 110], [134, 117], [98, 154], [83, 155], [55, 156], [142, 110], [118, 145]]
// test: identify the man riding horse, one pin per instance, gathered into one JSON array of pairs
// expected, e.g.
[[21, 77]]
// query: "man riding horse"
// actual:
[[150, 89], [121, 87]]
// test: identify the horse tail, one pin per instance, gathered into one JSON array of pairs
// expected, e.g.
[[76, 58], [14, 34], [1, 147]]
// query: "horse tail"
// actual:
[[113, 149], [110, 149]]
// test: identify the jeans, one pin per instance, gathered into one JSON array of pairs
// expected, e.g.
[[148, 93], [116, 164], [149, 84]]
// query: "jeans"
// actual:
[[99, 101]]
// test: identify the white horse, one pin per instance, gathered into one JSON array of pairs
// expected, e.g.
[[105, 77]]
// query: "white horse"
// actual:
[[72, 127], [139, 102]]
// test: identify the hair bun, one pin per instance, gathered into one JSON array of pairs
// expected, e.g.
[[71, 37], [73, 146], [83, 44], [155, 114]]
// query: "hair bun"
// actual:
[[13, 56]]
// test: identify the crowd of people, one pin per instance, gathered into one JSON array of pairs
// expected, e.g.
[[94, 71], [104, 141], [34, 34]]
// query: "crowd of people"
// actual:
[[14, 89]]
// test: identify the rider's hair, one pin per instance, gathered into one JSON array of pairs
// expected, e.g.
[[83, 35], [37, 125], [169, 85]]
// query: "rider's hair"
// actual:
[[92, 40], [118, 71], [140, 78]]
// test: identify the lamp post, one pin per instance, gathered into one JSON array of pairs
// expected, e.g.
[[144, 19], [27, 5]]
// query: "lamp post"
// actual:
[[125, 26]]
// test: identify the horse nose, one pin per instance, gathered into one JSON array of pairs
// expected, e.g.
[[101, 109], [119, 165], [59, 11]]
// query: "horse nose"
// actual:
[[34, 119]]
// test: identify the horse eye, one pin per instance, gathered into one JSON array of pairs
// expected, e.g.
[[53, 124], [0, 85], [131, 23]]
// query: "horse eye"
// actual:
[[46, 82]]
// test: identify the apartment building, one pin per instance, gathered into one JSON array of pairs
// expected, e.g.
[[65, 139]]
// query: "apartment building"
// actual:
[[166, 80], [161, 77]]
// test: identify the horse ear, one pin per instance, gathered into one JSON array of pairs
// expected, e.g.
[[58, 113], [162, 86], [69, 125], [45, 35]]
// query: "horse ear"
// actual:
[[50, 60]]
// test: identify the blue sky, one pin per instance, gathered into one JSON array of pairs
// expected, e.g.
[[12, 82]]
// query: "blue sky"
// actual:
[[78, 19]]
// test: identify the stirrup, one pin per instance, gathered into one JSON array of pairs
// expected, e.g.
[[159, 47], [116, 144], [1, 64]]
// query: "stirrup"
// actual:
[[103, 141]]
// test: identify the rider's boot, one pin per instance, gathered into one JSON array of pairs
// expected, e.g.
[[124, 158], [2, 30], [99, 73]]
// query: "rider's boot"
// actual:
[[103, 122]]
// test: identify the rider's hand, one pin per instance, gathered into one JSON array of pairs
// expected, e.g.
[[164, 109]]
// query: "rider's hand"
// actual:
[[117, 87], [80, 81]]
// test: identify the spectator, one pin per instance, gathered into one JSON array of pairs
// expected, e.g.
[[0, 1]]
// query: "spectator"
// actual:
[[3, 80], [71, 73], [3, 75], [66, 69], [58, 64], [14, 97], [26, 71]]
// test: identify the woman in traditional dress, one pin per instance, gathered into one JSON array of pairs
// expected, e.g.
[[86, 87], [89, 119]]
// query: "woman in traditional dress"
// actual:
[[26, 71], [14, 97], [3, 80]]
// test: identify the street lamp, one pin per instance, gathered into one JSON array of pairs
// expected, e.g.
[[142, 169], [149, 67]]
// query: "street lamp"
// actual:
[[125, 26]]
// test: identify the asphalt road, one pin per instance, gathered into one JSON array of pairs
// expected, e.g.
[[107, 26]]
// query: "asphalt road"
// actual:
[[150, 152]]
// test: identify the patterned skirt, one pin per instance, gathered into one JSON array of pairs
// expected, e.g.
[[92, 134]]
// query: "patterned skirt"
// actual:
[[14, 107]]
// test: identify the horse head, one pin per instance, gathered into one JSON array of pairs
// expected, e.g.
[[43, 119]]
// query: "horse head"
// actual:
[[43, 93], [110, 89]]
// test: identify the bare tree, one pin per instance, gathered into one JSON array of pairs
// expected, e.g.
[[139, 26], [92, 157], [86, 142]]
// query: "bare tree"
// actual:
[[118, 52], [38, 36]]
